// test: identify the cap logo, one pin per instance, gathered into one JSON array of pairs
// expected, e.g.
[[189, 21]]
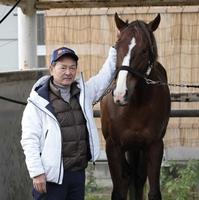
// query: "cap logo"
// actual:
[[59, 52]]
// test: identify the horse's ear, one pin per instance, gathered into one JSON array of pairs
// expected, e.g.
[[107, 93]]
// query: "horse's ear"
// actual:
[[120, 23], [153, 25]]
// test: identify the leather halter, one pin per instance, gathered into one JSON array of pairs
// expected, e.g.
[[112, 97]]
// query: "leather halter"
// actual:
[[132, 71]]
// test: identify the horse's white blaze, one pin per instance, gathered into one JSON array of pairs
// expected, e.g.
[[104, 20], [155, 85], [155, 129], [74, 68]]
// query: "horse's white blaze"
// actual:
[[121, 87], [126, 60]]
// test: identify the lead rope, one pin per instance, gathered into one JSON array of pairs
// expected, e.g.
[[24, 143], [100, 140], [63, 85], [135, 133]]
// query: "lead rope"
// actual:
[[148, 82], [107, 90], [12, 100], [152, 82]]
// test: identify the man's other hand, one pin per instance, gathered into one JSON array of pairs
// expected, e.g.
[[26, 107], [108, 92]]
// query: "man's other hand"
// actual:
[[39, 183]]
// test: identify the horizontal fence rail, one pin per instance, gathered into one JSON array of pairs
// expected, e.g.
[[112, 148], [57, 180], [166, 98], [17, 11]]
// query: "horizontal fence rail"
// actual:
[[184, 113], [174, 113], [176, 97], [185, 97]]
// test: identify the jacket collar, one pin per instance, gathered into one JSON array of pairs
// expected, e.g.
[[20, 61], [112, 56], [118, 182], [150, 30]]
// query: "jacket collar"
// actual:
[[74, 89], [54, 89], [40, 94]]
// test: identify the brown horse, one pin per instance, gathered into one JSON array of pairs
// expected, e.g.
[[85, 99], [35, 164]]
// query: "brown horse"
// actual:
[[136, 114]]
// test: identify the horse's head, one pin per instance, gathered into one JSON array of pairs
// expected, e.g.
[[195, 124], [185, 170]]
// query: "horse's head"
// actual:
[[136, 53]]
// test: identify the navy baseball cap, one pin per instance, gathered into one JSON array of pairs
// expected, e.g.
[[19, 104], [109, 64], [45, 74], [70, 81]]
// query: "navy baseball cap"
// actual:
[[58, 53]]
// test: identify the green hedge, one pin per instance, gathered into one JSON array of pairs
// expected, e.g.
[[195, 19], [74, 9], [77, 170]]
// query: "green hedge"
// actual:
[[179, 181]]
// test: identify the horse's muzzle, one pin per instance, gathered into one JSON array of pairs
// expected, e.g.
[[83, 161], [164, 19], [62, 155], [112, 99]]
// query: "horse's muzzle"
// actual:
[[120, 99]]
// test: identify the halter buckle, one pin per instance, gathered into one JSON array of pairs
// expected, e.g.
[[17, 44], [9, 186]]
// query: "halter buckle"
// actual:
[[149, 69]]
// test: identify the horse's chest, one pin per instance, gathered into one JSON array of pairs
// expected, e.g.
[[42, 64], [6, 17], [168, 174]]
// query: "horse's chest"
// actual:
[[135, 125], [132, 131]]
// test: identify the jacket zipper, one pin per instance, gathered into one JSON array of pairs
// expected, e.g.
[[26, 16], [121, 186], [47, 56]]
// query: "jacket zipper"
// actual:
[[46, 135], [86, 116], [60, 165]]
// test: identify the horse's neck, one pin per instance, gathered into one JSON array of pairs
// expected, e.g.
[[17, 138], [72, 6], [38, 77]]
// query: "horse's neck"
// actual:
[[142, 95]]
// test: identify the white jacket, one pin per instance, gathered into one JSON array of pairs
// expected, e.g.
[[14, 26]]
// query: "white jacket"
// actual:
[[41, 135]]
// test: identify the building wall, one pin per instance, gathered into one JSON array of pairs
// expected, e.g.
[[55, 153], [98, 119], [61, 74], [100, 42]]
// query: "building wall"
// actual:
[[15, 183], [8, 40]]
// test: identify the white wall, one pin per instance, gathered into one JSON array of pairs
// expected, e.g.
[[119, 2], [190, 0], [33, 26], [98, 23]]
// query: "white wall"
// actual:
[[8, 40]]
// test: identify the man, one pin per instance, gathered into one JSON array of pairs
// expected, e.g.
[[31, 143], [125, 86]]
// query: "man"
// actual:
[[59, 135]]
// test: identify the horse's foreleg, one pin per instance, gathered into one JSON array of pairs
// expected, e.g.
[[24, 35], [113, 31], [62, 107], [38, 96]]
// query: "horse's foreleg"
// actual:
[[155, 153], [118, 169], [137, 160]]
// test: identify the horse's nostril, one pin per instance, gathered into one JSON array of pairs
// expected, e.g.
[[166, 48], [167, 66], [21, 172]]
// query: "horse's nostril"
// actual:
[[113, 93], [118, 101]]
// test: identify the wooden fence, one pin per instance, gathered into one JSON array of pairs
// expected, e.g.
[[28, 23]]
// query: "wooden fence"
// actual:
[[91, 31]]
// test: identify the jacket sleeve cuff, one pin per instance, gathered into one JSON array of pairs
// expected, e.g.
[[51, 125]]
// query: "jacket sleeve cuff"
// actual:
[[37, 173], [112, 53]]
